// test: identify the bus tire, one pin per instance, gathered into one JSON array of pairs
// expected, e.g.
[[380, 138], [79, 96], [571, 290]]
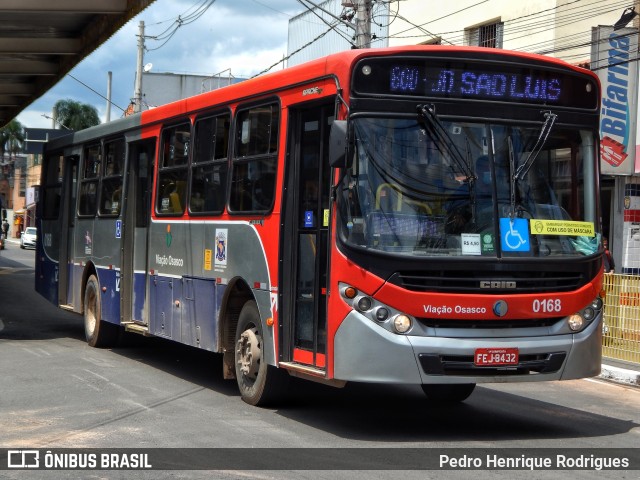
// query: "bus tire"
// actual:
[[99, 333], [448, 393], [260, 384]]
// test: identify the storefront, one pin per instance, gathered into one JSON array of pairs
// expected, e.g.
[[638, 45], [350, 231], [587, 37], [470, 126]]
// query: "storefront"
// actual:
[[620, 158], [18, 223]]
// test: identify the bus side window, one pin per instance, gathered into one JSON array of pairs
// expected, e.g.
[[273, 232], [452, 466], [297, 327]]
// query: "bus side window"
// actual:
[[52, 187], [88, 198], [209, 169], [253, 170], [172, 177], [111, 190]]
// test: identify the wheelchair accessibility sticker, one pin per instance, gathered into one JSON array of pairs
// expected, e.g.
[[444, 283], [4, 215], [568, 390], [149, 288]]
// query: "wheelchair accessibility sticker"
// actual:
[[514, 235]]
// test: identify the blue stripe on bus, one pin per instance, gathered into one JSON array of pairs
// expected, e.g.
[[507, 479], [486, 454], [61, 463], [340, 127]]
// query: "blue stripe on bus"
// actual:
[[110, 279], [47, 280], [186, 309], [139, 293]]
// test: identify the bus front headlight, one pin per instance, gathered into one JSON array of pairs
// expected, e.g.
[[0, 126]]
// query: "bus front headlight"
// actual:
[[402, 323], [575, 322], [385, 316]]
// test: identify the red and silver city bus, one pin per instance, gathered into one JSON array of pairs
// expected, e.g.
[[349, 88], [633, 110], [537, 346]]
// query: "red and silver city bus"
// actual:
[[418, 215]]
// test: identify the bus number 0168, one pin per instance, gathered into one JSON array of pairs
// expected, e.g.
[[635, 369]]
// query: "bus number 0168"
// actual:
[[547, 306]]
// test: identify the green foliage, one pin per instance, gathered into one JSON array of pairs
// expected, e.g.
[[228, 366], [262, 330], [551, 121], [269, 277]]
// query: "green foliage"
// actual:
[[11, 138], [75, 115]]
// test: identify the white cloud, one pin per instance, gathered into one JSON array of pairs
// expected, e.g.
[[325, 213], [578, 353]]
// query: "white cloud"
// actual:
[[35, 119], [246, 36]]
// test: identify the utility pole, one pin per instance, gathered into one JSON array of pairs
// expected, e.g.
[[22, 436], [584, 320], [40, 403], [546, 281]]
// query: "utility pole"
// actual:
[[137, 95], [363, 21], [109, 77]]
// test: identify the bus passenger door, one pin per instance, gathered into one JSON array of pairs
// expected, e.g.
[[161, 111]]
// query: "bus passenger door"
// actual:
[[68, 215], [136, 220], [305, 236]]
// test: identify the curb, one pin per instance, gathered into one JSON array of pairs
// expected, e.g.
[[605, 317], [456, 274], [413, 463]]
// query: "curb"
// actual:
[[620, 375]]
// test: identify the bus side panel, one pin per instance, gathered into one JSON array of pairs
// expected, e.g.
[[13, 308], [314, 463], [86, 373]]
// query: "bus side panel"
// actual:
[[81, 254], [161, 299], [74, 290], [110, 280], [184, 303], [139, 295], [200, 313], [106, 257], [140, 275]]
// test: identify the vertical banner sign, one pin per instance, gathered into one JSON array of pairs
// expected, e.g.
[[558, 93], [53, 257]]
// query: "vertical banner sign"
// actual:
[[613, 57]]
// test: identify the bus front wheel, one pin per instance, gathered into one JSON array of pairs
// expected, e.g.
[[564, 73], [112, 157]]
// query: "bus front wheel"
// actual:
[[441, 393], [259, 383], [98, 332]]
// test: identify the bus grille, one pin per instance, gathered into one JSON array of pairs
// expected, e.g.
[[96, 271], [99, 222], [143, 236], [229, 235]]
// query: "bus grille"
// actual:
[[502, 283], [490, 324], [463, 365]]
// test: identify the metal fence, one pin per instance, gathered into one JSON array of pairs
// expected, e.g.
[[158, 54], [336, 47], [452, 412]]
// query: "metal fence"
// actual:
[[621, 334]]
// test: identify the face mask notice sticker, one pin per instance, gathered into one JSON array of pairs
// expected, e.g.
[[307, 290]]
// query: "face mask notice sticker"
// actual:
[[562, 227]]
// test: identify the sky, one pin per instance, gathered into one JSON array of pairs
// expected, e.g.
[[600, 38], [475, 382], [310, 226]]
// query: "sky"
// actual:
[[246, 36]]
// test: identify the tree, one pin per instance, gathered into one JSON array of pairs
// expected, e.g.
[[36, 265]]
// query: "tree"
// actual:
[[11, 138], [75, 115]]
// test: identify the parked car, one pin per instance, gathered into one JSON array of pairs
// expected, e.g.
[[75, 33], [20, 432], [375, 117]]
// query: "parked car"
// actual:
[[28, 238]]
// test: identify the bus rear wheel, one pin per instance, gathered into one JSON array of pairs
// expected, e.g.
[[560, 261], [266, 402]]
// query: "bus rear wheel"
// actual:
[[441, 393], [260, 384], [99, 333]]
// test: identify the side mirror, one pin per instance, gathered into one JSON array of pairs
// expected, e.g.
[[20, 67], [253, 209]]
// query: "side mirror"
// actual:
[[339, 144]]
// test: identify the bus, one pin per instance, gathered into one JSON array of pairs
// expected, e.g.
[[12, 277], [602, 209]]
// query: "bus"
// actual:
[[422, 215]]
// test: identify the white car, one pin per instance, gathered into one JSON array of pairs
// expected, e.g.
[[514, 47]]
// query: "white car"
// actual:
[[28, 238]]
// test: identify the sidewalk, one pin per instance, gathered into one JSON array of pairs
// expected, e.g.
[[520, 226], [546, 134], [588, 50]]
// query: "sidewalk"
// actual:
[[620, 372]]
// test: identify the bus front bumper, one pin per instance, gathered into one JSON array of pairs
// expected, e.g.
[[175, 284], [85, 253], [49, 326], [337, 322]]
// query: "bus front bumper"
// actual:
[[366, 352]]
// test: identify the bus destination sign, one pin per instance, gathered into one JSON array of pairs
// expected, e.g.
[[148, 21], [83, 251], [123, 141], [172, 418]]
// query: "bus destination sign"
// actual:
[[475, 81]]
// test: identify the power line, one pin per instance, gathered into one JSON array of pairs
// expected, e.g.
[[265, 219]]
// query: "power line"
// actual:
[[181, 21], [552, 18], [567, 13], [422, 28], [568, 41], [332, 26], [297, 51], [271, 8], [94, 91], [443, 17], [386, 13]]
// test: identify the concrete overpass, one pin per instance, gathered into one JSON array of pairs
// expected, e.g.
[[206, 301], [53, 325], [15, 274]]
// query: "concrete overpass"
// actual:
[[42, 40]]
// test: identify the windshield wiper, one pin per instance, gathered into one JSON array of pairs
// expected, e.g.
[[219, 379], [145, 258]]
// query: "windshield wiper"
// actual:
[[549, 120], [430, 122], [512, 177]]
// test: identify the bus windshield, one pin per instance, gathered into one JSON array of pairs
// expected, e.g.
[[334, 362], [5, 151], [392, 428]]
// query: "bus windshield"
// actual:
[[470, 188]]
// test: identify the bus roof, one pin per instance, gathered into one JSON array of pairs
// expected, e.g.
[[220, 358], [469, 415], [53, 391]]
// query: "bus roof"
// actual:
[[336, 65]]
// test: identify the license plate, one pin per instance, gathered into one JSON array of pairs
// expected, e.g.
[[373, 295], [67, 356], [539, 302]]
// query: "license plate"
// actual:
[[487, 357]]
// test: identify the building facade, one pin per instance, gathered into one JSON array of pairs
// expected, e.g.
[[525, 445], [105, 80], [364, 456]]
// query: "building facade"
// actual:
[[162, 88], [321, 31]]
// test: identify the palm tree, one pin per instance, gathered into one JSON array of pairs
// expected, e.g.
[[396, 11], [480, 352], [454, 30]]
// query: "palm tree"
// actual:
[[11, 138], [75, 115], [11, 141]]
